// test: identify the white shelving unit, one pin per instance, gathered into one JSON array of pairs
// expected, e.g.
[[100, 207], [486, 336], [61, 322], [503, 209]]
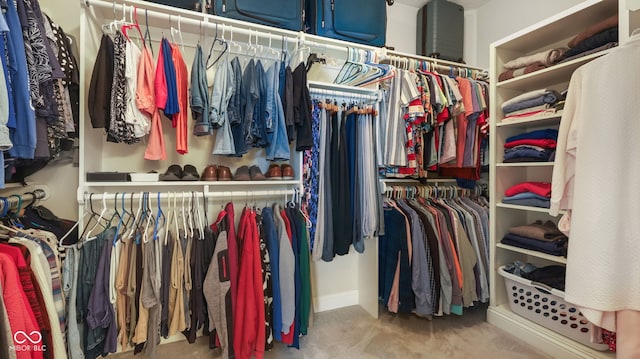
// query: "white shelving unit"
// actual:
[[553, 32]]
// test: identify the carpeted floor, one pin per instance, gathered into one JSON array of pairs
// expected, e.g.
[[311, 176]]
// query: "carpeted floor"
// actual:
[[352, 333]]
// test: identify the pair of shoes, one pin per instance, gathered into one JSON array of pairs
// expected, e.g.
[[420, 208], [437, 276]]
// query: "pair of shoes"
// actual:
[[245, 173], [280, 172], [216, 173], [177, 173]]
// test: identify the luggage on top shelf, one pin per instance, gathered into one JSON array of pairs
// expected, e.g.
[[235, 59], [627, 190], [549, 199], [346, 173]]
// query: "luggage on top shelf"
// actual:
[[285, 14], [361, 21]]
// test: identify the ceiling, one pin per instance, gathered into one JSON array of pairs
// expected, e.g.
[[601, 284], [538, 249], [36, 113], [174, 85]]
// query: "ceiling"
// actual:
[[467, 4]]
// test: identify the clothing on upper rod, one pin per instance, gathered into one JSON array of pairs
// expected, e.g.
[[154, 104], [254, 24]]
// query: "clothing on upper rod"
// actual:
[[233, 108], [432, 122]]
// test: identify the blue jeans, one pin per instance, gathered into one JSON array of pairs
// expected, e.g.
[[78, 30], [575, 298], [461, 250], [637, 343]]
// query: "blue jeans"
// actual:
[[278, 143]]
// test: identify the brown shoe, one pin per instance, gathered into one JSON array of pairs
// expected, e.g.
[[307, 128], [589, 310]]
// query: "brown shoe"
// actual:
[[287, 172], [224, 173], [274, 172], [210, 173], [242, 174], [256, 174]]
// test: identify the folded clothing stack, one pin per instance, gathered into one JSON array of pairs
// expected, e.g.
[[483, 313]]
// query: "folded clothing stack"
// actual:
[[534, 146], [532, 103], [596, 38], [538, 236], [531, 63], [533, 194]]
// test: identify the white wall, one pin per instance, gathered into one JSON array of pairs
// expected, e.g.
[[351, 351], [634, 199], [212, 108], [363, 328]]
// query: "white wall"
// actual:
[[500, 18], [401, 27]]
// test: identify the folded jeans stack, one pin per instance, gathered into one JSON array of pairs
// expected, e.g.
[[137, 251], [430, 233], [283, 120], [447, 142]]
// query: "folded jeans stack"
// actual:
[[534, 146]]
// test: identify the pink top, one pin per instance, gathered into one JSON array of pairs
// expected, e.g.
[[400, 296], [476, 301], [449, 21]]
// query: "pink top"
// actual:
[[160, 82], [147, 102], [180, 118]]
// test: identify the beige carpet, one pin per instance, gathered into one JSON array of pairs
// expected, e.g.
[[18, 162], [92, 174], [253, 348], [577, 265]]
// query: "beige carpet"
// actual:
[[352, 333]]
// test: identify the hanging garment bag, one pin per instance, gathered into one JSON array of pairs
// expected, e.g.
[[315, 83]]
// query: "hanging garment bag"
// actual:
[[285, 14], [361, 21], [195, 5]]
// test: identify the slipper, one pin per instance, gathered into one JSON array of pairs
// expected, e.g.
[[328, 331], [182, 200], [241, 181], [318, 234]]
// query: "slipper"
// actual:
[[190, 173], [174, 173]]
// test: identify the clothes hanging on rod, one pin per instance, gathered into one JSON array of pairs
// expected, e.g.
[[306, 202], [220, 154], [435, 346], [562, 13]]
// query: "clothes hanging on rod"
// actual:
[[39, 90], [340, 174], [234, 107], [432, 122], [167, 272], [33, 293], [434, 255]]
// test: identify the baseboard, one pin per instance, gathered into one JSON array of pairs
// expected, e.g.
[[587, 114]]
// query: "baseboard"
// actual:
[[335, 301], [540, 337]]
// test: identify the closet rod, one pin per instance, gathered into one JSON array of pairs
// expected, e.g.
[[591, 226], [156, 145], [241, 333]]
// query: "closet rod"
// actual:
[[358, 96], [179, 195], [14, 202], [195, 19], [314, 85], [390, 53]]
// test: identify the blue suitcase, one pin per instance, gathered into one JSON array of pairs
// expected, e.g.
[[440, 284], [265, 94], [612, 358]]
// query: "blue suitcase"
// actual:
[[285, 14], [195, 5], [361, 21]]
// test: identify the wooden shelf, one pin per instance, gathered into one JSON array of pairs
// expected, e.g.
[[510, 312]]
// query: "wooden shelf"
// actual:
[[522, 208], [526, 164], [551, 75], [557, 259], [546, 120]]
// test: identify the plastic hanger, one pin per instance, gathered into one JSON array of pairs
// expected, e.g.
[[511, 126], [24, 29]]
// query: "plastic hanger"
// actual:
[[159, 217], [136, 218], [133, 24], [199, 222]]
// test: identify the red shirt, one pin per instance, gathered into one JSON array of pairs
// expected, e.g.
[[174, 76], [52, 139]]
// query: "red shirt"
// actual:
[[539, 188], [249, 317]]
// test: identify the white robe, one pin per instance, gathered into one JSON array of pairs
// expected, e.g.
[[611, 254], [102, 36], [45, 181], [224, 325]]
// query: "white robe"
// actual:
[[596, 177]]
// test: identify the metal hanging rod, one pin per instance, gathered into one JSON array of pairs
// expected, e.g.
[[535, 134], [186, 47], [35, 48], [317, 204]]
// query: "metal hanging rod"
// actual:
[[179, 195], [202, 20], [16, 201], [337, 94], [389, 54]]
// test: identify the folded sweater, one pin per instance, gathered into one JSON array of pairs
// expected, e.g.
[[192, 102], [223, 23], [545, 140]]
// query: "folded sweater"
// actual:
[[545, 143], [547, 98], [547, 57], [509, 74], [594, 29], [547, 231], [549, 133], [540, 188]]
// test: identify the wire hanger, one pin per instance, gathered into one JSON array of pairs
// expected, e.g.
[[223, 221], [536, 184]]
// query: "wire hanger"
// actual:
[[100, 218], [219, 41]]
